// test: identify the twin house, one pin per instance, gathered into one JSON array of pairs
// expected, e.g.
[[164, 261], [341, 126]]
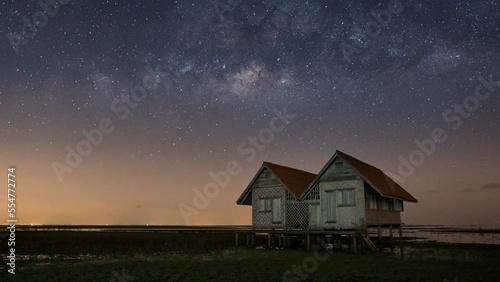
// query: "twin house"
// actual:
[[344, 193]]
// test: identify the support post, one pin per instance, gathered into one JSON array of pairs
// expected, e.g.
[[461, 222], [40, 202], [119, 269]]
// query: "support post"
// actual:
[[269, 240], [401, 249], [308, 242], [279, 241], [354, 244], [391, 235], [252, 240], [236, 240], [248, 240], [379, 239]]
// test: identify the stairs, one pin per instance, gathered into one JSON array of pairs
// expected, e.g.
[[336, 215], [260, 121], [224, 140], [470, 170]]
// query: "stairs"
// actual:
[[369, 242]]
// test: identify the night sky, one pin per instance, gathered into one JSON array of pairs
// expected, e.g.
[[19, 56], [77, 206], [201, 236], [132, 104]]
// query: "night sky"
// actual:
[[215, 74]]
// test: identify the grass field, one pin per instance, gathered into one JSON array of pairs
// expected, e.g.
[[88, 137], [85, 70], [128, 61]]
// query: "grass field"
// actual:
[[205, 256]]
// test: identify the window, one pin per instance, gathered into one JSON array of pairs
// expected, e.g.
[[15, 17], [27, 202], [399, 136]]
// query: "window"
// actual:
[[271, 205], [264, 205], [276, 210], [347, 169], [384, 204], [398, 205], [346, 197], [339, 167], [371, 201], [268, 204], [342, 168], [331, 206]]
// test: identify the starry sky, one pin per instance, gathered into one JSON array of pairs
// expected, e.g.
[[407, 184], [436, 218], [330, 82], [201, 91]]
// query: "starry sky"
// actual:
[[218, 72]]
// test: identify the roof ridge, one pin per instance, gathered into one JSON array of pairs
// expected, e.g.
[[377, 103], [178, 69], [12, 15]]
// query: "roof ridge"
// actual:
[[359, 160], [292, 168]]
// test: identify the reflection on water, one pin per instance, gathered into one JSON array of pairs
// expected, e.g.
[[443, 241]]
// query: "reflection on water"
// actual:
[[447, 234], [456, 237]]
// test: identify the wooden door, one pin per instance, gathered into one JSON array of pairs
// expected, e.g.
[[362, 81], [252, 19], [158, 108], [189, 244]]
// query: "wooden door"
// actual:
[[314, 216]]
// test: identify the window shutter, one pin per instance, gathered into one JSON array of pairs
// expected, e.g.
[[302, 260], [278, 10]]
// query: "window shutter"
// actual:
[[276, 210], [331, 207], [262, 205], [268, 204]]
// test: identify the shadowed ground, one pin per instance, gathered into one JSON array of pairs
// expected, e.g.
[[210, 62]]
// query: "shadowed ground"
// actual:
[[205, 256]]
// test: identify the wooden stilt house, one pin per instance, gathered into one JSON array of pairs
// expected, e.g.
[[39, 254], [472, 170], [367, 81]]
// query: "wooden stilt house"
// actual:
[[345, 192]]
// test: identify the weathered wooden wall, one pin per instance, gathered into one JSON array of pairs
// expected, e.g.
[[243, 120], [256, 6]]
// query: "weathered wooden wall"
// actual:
[[265, 187], [347, 216]]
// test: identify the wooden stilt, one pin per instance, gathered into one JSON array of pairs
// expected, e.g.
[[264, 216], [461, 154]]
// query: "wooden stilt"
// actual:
[[379, 239], [391, 235], [236, 240], [269, 240], [354, 244], [308, 242], [279, 241], [401, 249], [248, 239], [252, 239]]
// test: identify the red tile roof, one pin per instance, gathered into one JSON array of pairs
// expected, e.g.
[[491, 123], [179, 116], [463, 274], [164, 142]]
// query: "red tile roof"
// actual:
[[298, 181], [295, 180], [379, 180]]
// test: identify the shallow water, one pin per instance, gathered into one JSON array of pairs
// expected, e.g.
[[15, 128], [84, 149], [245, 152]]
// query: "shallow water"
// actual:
[[445, 234], [455, 237]]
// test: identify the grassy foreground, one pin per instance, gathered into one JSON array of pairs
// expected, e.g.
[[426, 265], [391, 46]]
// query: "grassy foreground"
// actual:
[[125, 257]]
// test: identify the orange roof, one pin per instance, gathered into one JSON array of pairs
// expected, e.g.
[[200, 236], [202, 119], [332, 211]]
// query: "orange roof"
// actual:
[[298, 182], [295, 180], [377, 179]]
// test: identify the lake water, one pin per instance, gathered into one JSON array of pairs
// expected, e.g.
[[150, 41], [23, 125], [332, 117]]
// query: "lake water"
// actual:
[[447, 234]]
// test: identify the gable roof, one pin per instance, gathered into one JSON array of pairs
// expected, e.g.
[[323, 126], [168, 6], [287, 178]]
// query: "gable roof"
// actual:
[[382, 183], [295, 180]]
